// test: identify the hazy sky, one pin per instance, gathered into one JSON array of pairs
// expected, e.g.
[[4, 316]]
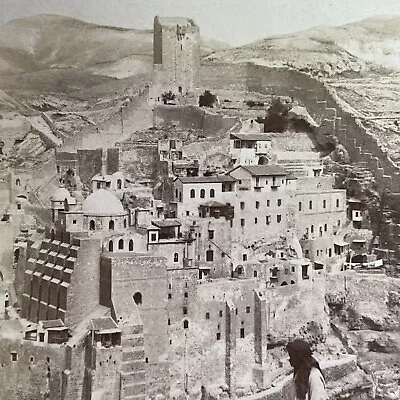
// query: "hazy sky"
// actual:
[[233, 21]]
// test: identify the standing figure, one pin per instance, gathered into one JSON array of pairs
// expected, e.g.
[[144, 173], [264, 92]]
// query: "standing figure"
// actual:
[[309, 382]]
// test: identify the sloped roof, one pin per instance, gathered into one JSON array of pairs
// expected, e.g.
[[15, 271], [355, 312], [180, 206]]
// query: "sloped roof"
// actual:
[[263, 170], [164, 223], [250, 136], [207, 179]]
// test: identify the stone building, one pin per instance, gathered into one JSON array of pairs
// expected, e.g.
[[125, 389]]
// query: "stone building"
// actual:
[[176, 54]]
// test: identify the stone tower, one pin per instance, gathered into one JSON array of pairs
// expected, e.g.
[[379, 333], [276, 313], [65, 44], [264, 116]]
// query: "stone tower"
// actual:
[[176, 50]]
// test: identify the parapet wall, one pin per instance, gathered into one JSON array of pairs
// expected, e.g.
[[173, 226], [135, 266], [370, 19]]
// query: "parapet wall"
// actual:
[[324, 105]]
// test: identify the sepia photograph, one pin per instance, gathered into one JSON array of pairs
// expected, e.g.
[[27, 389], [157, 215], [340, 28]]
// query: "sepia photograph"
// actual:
[[199, 200]]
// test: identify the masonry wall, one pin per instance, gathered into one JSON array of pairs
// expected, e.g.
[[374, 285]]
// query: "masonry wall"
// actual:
[[36, 372], [322, 103], [89, 164], [146, 275]]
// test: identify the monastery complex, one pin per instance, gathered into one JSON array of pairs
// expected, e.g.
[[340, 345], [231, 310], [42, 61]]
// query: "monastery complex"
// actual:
[[191, 280]]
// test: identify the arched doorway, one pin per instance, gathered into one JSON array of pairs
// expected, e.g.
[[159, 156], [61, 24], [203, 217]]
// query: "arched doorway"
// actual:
[[263, 160]]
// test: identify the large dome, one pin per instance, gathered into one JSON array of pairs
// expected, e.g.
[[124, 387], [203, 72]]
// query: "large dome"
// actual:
[[60, 194], [104, 203]]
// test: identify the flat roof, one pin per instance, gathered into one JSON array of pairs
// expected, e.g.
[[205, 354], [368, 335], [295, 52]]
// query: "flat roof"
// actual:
[[54, 323], [207, 179], [250, 136]]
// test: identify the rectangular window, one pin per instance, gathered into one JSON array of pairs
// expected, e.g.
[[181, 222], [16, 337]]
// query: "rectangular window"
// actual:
[[186, 294], [242, 222], [268, 219], [220, 313], [299, 205], [337, 202], [169, 321], [310, 205], [218, 336], [293, 269], [279, 202], [211, 234], [242, 333], [242, 205], [74, 221], [153, 237], [169, 296], [248, 310], [207, 315], [14, 356], [255, 220], [267, 203], [184, 309], [278, 218], [257, 205], [244, 257], [187, 213]]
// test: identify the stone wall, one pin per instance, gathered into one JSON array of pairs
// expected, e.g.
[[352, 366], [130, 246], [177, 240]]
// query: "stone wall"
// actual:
[[327, 109], [30, 370]]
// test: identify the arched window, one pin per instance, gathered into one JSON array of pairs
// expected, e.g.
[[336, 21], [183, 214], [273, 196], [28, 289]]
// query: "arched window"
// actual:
[[137, 298], [119, 184], [52, 234], [176, 193], [312, 229], [110, 246], [212, 193], [18, 182], [131, 245], [192, 193], [185, 324], [91, 225], [202, 193], [209, 255], [284, 283], [176, 257], [124, 223], [111, 225], [255, 274], [121, 244]]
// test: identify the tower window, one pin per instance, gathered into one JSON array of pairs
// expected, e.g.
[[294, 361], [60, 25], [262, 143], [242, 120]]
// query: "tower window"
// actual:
[[120, 244], [137, 298], [111, 225]]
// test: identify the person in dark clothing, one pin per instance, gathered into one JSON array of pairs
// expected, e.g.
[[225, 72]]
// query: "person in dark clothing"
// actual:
[[309, 382]]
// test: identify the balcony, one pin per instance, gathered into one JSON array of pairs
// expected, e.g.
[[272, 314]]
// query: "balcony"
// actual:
[[274, 187]]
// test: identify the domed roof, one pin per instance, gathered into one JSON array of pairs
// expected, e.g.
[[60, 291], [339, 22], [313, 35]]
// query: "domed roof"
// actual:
[[102, 202], [60, 194]]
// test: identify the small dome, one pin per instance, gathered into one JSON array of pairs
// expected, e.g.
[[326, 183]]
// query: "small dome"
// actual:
[[102, 202], [60, 194]]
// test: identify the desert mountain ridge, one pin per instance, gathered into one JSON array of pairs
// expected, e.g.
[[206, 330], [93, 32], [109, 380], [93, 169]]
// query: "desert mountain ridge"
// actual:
[[52, 42], [372, 44]]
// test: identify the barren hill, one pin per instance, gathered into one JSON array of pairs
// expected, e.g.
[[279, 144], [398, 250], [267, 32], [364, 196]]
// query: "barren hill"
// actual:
[[54, 42], [371, 44]]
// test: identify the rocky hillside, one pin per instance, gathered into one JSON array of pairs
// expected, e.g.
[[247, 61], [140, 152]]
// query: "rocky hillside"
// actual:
[[53, 42], [371, 44]]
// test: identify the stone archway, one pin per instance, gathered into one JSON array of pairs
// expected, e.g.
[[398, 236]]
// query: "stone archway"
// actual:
[[263, 160]]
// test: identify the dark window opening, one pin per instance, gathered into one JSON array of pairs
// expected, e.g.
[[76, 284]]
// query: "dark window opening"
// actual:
[[14, 356], [248, 309], [299, 205], [185, 324], [242, 205], [169, 321], [218, 336], [111, 246], [137, 298], [211, 234], [244, 257], [220, 313], [111, 225], [120, 244], [212, 193], [202, 193], [207, 315], [310, 205], [91, 225], [257, 204], [131, 245], [209, 255], [242, 333], [185, 310], [176, 257], [255, 274], [186, 294], [192, 193]]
